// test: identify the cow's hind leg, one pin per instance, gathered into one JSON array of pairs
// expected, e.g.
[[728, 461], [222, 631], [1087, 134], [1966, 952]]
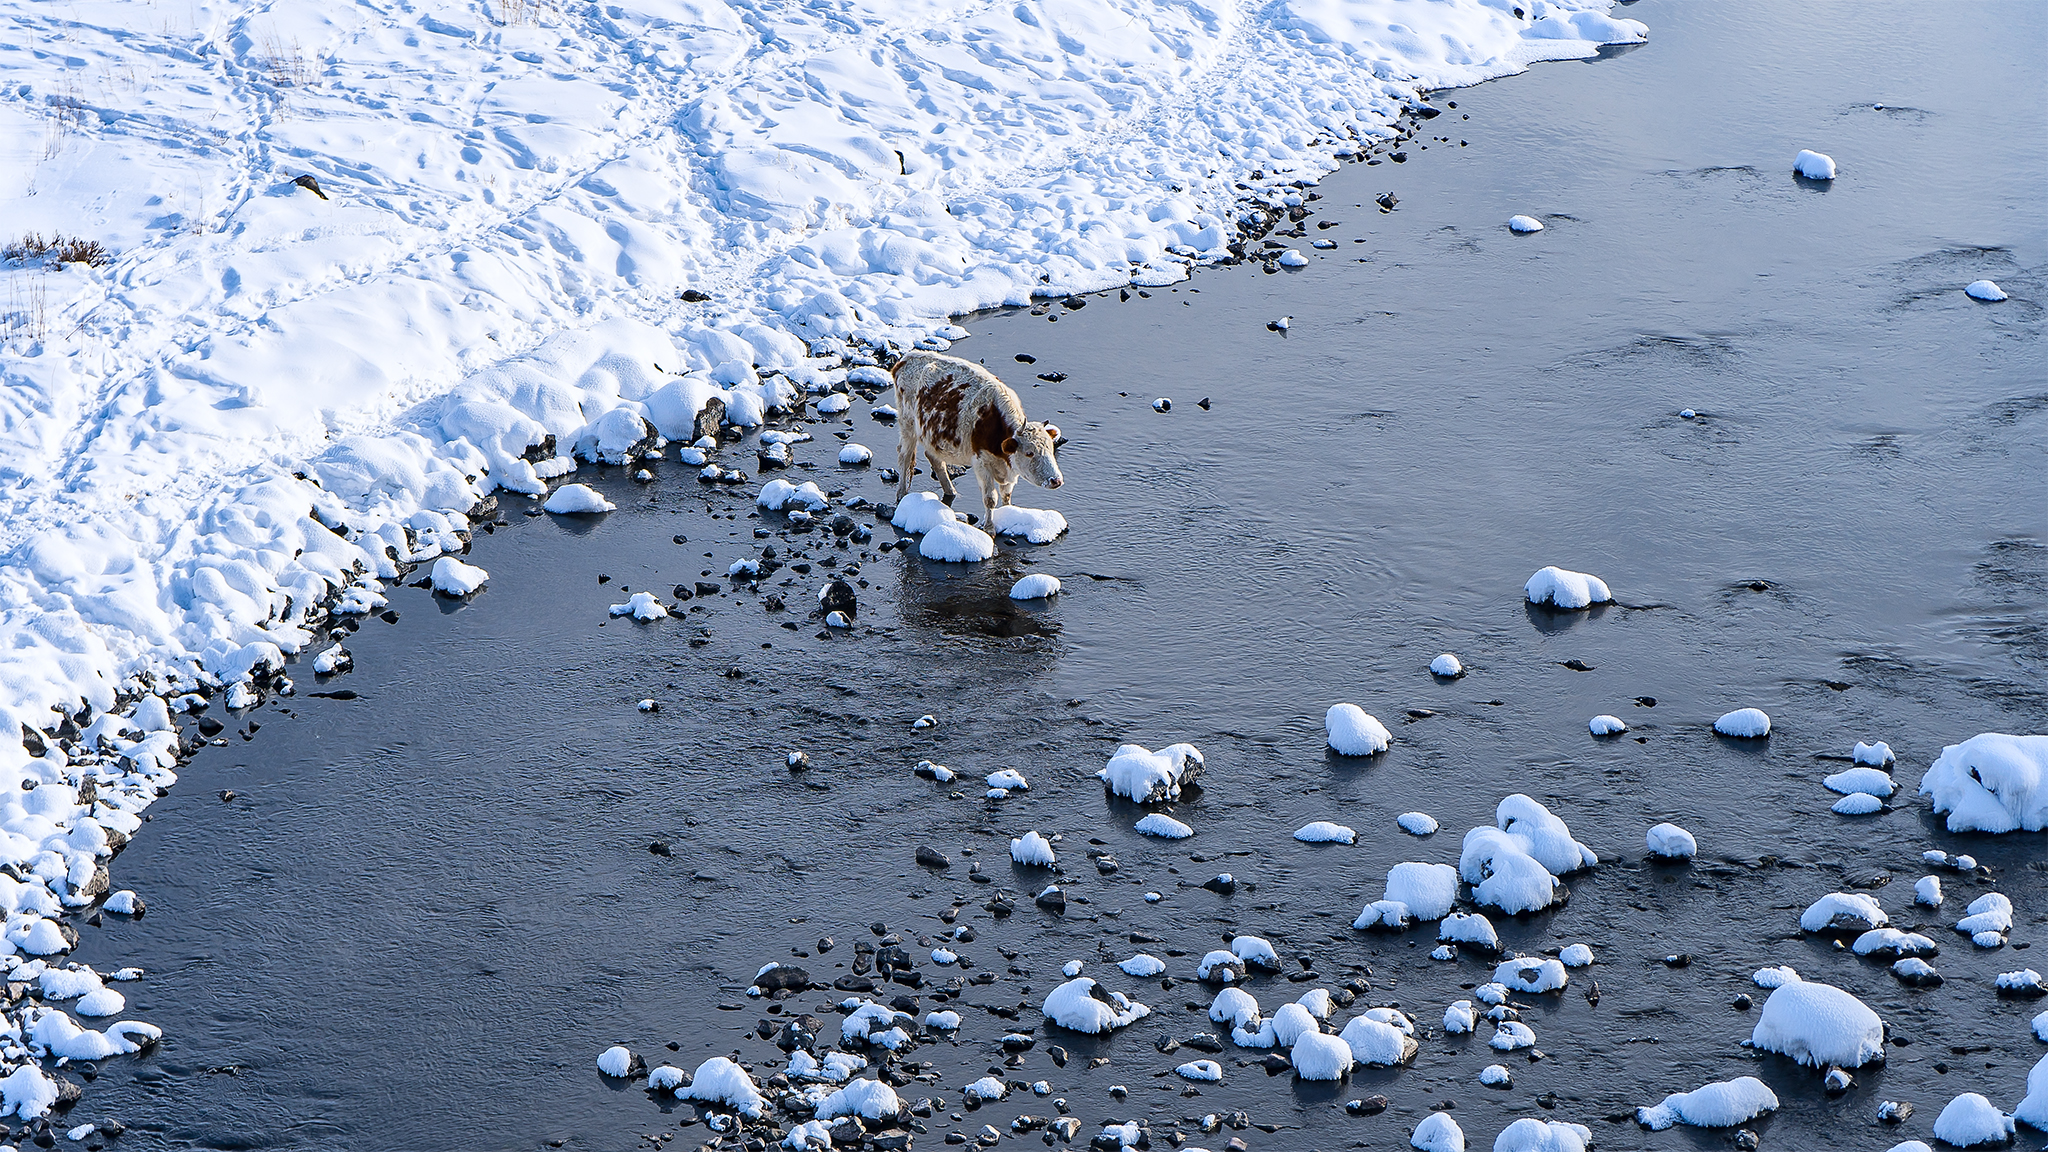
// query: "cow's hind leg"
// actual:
[[906, 458]]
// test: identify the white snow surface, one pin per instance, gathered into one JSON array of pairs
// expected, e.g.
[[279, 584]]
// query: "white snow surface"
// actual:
[[1866, 780], [1427, 890], [1843, 912], [1515, 866], [1164, 826], [451, 577], [1032, 850], [1814, 165], [1320, 1056], [1819, 1025], [1563, 588], [1857, 804], [1524, 224], [1606, 725], [1722, 1104], [1352, 732], [720, 1081], [1991, 783], [1438, 1133], [1531, 974], [1984, 290], [1576, 956], [871, 1099], [1447, 666]]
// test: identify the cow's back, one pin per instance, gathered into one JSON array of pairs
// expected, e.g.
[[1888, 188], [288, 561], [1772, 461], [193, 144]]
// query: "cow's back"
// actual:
[[937, 398]]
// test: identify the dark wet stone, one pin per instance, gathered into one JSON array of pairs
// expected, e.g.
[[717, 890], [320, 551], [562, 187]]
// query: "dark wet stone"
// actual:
[[1223, 884], [1052, 900], [661, 848], [932, 858], [854, 984], [1743, 1003], [707, 588], [787, 978], [1275, 1064], [693, 296], [1204, 1042], [1370, 1106]]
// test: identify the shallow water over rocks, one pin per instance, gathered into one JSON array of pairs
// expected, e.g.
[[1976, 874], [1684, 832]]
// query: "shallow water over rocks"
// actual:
[[428, 908]]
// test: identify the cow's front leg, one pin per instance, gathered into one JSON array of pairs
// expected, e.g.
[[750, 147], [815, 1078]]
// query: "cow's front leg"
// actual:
[[944, 474], [906, 461]]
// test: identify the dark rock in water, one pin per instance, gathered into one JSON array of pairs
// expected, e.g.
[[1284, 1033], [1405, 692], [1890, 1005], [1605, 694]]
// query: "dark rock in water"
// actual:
[[846, 1132], [1275, 1064], [1203, 403], [1058, 1055], [1386, 201], [1575, 665], [661, 848], [1743, 1003], [1593, 993], [682, 592], [1000, 906], [1745, 1140], [210, 727], [932, 858], [1919, 978], [1052, 900], [893, 959], [854, 984], [1017, 1042], [1678, 960], [1370, 1106], [798, 1032], [1024, 359], [1165, 1044], [707, 588], [1646, 701], [1894, 1111], [774, 604], [1204, 1042], [826, 943], [838, 596], [228, 795], [1105, 864], [1399, 157], [1052, 377], [1223, 884], [785, 978]]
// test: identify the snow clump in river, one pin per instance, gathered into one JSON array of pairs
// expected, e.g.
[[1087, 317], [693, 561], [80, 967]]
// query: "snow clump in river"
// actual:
[[1562, 588], [1515, 866], [1991, 783], [1352, 732]]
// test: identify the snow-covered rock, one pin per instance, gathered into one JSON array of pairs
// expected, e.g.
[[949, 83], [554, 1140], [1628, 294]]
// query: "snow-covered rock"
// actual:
[[1137, 773], [1670, 842], [1038, 525], [1744, 723], [1562, 588], [1576, 956], [1417, 823], [1892, 942], [782, 496], [1515, 867], [854, 455], [1143, 965], [577, 500], [1512, 1036], [1427, 890], [1037, 586], [1843, 912], [1927, 890], [1459, 1017], [721, 1082], [1446, 666], [1438, 1133], [1984, 290], [1814, 165], [1161, 825], [1469, 929], [868, 1099], [1991, 783], [1524, 224], [1971, 1121], [1872, 781], [1722, 1104], [1605, 725], [920, 512], [1819, 1025], [1376, 1043], [1205, 1071], [1320, 1056], [1878, 755], [1354, 733], [1989, 913], [1531, 1135], [1325, 832], [1857, 804], [641, 606], [1080, 1005], [618, 1061], [956, 542], [1531, 974], [1033, 851], [2033, 1109]]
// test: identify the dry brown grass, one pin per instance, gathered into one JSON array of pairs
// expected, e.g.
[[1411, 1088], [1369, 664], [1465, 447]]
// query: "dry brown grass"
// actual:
[[59, 249]]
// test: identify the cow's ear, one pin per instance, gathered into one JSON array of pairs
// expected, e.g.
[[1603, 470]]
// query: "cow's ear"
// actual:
[[1052, 432], [1009, 445]]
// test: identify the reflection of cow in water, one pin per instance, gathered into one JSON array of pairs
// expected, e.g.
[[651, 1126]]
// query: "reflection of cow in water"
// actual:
[[959, 414]]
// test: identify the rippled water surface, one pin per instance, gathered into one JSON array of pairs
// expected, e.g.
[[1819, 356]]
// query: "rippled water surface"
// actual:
[[428, 908]]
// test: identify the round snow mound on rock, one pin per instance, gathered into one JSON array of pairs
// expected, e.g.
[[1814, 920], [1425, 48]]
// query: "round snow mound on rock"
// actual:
[[1670, 842], [954, 542], [1037, 586], [1605, 725], [1744, 723], [1814, 165], [1320, 1056], [1524, 224], [1562, 588], [1985, 290], [1446, 666], [577, 499], [1971, 1121], [1723, 1104], [1531, 1135], [1819, 1025], [1438, 1133], [1354, 733], [1991, 783]]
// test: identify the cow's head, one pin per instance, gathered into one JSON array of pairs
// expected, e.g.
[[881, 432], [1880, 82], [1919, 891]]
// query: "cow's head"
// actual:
[[1033, 450]]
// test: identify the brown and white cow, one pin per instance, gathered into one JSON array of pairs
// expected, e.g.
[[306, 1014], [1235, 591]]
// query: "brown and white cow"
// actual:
[[959, 414]]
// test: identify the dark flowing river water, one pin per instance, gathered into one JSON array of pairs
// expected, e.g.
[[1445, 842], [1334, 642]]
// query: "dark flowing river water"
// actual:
[[427, 909]]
